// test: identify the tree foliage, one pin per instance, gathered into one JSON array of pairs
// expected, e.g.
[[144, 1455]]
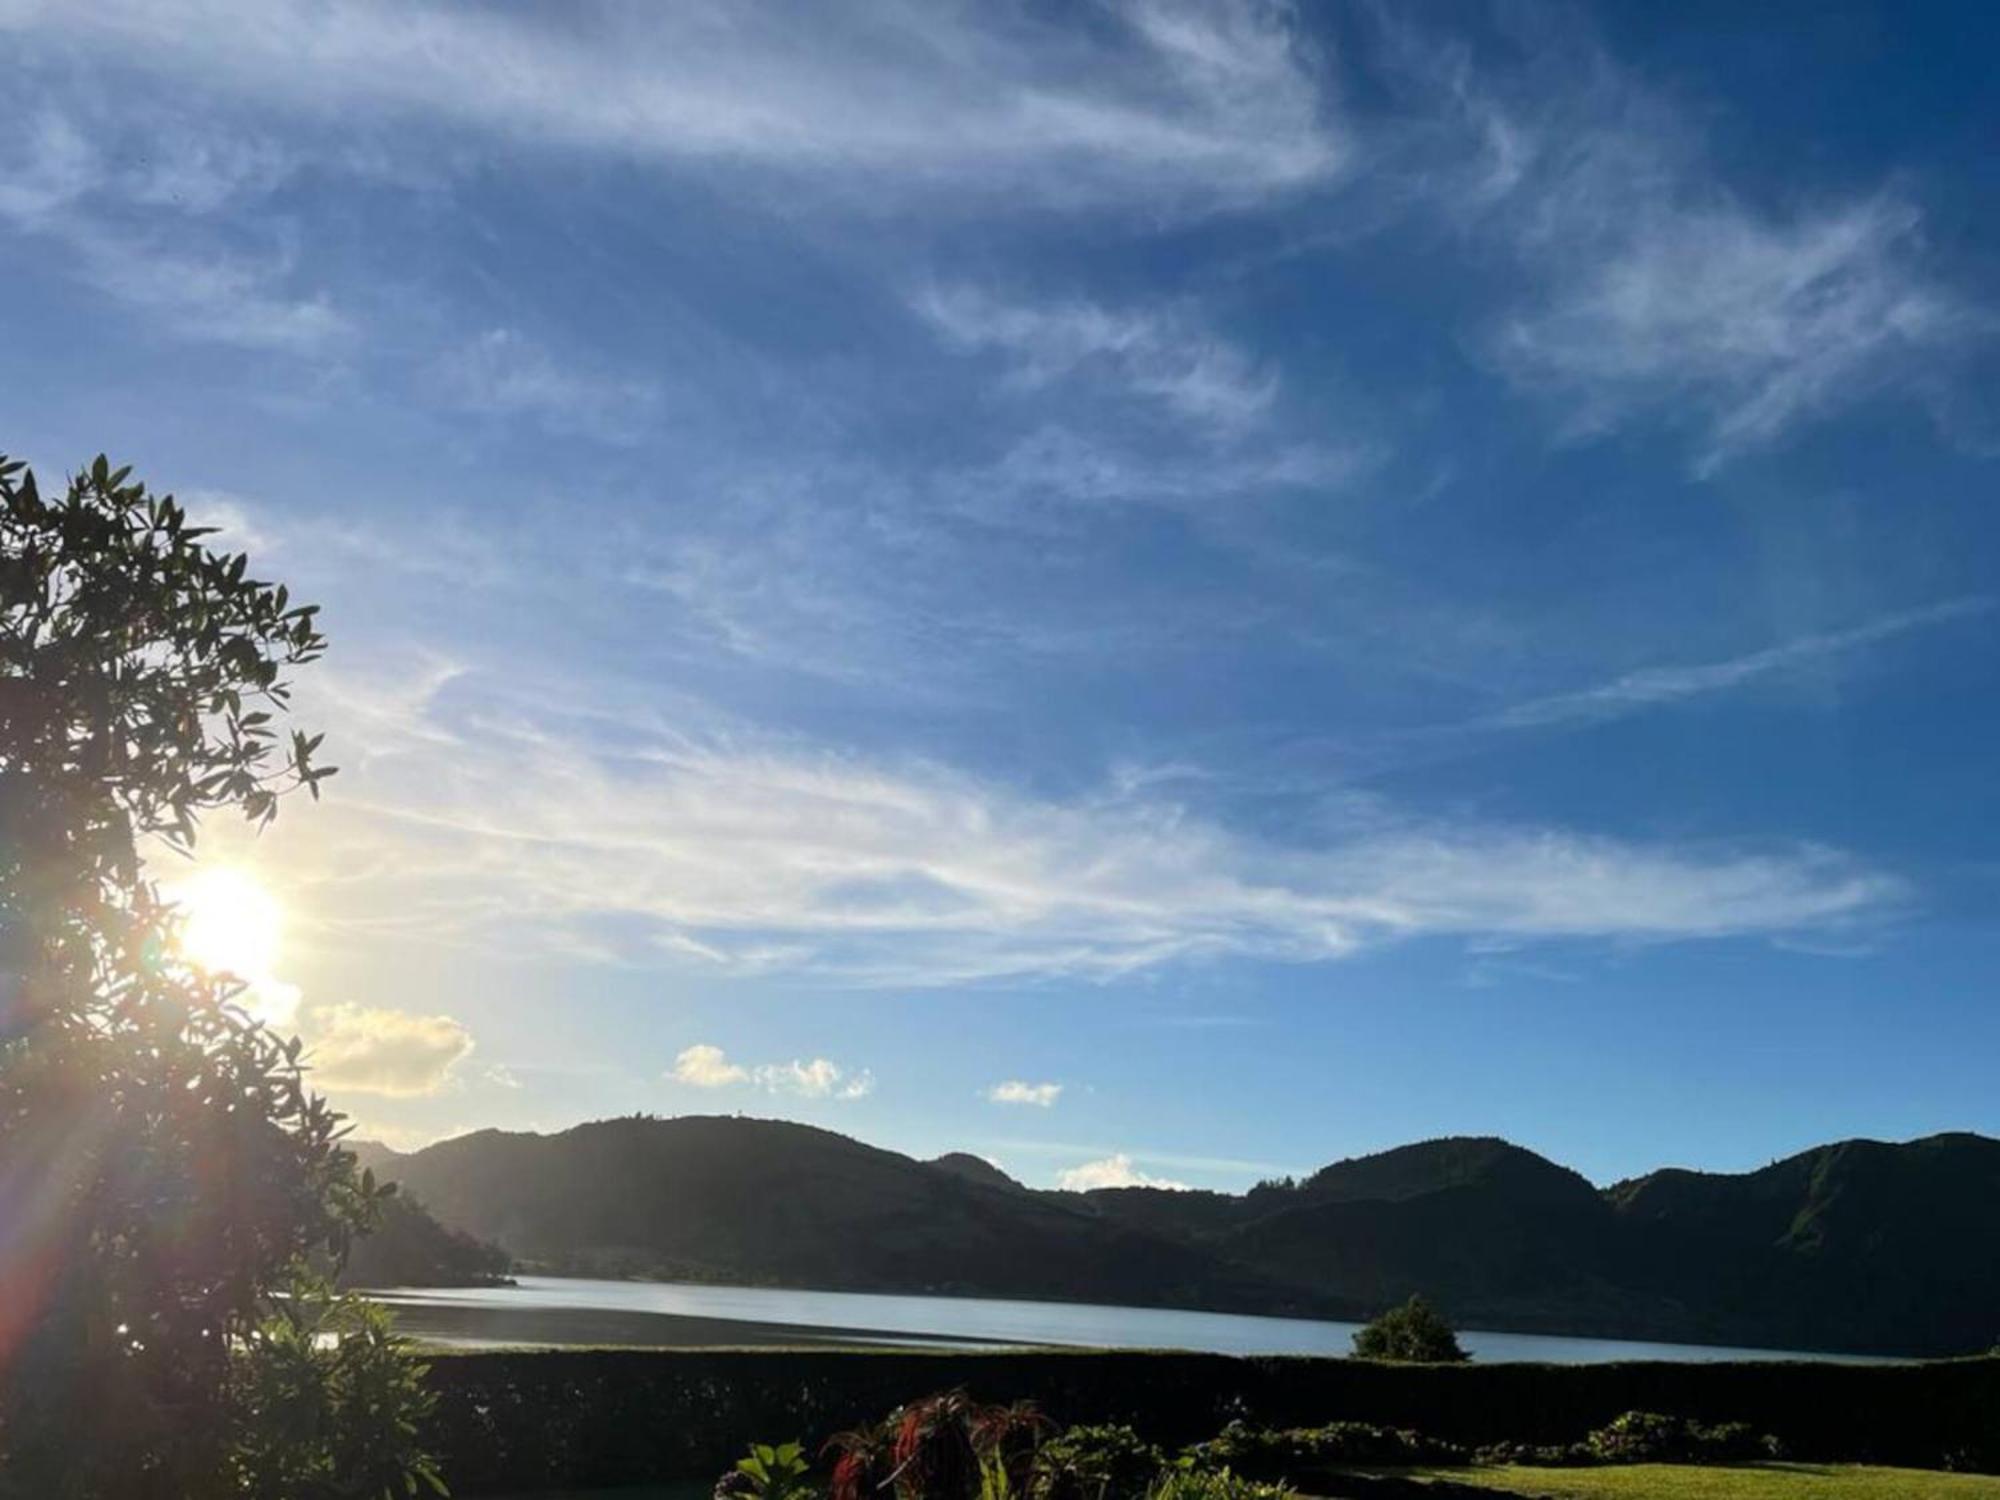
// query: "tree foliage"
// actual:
[[164, 1170], [1413, 1334]]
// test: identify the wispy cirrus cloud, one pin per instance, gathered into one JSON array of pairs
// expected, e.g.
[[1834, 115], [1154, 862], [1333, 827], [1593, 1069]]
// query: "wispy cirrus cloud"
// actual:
[[1755, 322], [1652, 287], [1152, 355], [1196, 102], [490, 827], [105, 216], [1653, 686], [503, 373]]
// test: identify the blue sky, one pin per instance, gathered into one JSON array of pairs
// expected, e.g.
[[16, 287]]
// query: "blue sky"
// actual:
[[1156, 591]]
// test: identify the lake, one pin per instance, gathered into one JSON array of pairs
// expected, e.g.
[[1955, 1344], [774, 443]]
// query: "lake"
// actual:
[[561, 1310]]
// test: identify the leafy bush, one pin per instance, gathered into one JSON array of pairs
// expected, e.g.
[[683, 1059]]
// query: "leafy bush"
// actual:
[[1105, 1462], [327, 1403], [943, 1447], [1185, 1482], [1266, 1453], [1411, 1334], [1639, 1437], [1538, 1455], [861, 1466], [769, 1473]]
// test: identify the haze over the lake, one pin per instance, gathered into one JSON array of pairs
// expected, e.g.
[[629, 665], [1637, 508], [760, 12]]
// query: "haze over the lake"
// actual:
[[1165, 595]]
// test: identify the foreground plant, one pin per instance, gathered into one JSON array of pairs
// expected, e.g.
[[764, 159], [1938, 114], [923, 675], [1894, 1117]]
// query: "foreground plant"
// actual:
[[327, 1400], [165, 1174], [769, 1472]]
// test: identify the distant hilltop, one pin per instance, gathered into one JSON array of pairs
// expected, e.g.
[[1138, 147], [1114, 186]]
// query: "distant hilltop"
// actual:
[[1859, 1246]]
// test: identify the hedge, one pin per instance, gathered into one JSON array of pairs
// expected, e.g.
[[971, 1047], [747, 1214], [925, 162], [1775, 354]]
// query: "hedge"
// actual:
[[523, 1420]]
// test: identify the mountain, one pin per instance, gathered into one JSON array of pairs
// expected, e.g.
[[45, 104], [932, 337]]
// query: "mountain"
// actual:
[[1879, 1246], [1488, 1231], [411, 1248], [1493, 1234], [765, 1201], [1859, 1246], [975, 1169]]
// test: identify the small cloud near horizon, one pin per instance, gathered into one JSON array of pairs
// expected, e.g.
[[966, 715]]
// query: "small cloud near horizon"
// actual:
[[1114, 1171], [397, 1053], [1015, 1091], [704, 1066]]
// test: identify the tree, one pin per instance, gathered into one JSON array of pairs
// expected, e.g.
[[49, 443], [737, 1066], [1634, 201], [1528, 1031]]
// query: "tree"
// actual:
[[165, 1174], [1413, 1334]]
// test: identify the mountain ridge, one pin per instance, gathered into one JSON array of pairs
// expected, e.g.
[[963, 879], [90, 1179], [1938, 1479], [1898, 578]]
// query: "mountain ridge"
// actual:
[[1868, 1246]]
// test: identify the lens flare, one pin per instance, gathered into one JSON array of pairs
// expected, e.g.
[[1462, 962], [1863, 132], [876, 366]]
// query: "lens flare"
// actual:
[[230, 924]]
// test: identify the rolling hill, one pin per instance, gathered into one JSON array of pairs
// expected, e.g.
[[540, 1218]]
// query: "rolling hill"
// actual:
[[1859, 1246], [763, 1201]]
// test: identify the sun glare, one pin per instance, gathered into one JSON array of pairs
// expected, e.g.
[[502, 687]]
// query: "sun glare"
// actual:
[[231, 924]]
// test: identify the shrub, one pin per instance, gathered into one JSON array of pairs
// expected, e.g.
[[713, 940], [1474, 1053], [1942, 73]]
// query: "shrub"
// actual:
[[1411, 1334], [943, 1447], [1538, 1455], [1265, 1453], [1185, 1482], [1651, 1437], [1108, 1462], [862, 1465], [327, 1403]]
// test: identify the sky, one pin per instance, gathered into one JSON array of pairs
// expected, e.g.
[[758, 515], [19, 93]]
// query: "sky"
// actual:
[[1158, 592]]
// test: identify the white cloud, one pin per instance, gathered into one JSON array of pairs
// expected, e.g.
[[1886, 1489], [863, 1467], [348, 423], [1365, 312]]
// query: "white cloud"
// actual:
[[365, 1050], [1114, 1171], [1056, 463], [61, 187], [706, 1067], [1153, 355], [817, 1079], [1656, 685], [1755, 322], [491, 825], [1654, 287], [502, 373], [228, 299], [1015, 1091], [1215, 101]]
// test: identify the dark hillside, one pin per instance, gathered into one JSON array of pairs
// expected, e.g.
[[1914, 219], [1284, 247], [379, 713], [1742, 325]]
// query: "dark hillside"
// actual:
[[1868, 1244], [1857, 1246], [770, 1202], [975, 1169], [410, 1248], [1191, 1215], [1488, 1231]]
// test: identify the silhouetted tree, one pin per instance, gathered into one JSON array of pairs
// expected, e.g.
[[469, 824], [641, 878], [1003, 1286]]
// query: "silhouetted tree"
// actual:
[[1412, 1333], [164, 1171]]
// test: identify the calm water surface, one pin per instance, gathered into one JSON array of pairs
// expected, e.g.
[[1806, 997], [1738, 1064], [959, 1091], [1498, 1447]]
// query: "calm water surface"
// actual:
[[454, 1316]]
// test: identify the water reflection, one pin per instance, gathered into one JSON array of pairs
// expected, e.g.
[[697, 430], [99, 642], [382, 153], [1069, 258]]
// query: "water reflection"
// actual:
[[567, 1310]]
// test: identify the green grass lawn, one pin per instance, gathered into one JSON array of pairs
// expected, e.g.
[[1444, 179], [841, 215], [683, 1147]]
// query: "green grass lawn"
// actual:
[[1731, 1482]]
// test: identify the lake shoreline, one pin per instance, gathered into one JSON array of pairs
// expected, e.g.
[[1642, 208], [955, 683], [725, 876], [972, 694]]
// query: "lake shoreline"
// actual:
[[563, 1312], [484, 1326]]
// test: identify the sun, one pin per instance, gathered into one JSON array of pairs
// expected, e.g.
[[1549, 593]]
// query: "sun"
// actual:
[[230, 924]]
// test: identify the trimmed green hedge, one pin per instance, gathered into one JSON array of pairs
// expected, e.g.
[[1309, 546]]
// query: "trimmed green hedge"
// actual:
[[552, 1419]]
